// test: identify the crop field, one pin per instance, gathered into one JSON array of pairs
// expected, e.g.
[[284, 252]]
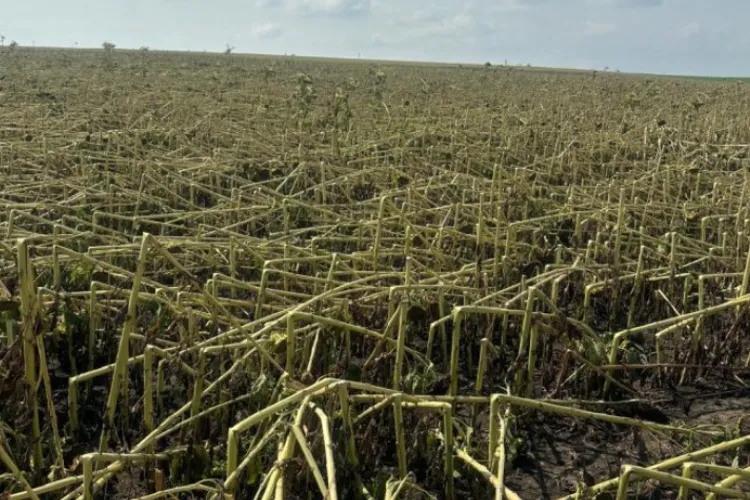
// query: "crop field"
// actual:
[[232, 276]]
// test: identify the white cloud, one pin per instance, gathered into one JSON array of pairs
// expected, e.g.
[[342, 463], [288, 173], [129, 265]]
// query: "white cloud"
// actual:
[[491, 7], [627, 3], [598, 29], [689, 30], [267, 31], [692, 36], [514, 5], [639, 3], [469, 22], [331, 7], [450, 26]]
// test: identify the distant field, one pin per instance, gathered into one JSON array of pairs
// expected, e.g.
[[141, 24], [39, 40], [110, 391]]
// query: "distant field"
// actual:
[[497, 65], [241, 276]]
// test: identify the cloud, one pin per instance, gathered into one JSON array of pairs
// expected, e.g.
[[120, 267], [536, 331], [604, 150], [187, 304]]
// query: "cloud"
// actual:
[[331, 7], [448, 26], [520, 3], [639, 3], [689, 30], [598, 29], [663, 36], [267, 31], [436, 22], [628, 3], [513, 5]]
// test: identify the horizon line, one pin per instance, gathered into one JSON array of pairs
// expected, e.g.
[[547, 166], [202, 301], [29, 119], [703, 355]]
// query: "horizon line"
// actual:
[[522, 66]]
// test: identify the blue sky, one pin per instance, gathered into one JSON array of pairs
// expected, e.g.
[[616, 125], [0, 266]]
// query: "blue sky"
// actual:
[[707, 37]]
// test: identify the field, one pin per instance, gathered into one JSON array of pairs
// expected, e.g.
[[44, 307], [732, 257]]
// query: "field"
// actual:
[[232, 276]]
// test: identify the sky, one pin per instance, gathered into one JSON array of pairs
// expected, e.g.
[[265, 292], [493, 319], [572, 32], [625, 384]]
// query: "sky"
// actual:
[[698, 37]]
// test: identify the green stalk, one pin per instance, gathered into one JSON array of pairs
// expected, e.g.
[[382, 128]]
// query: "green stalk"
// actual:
[[745, 276], [620, 229], [52, 412], [291, 344], [486, 474], [629, 471], [482, 365], [28, 327], [351, 447], [730, 481], [261, 292], [88, 477], [497, 257], [455, 350], [532, 361], [494, 431], [400, 348], [310, 459], [672, 463], [120, 377], [329, 452], [378, 233], [398, 418], [10, 331], [448, 435], [689, 467], [500, 485], [6, 459]]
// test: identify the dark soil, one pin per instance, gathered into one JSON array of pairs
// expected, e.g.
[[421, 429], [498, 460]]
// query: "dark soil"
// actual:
[[560, 452]]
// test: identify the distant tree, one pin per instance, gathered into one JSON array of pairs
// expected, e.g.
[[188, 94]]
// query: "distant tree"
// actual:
[[2, 40], [488, 64], [379, 79], [143, 51], [13, 45], [109, 49], [304, 95], [268, 72], [229, 49]]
